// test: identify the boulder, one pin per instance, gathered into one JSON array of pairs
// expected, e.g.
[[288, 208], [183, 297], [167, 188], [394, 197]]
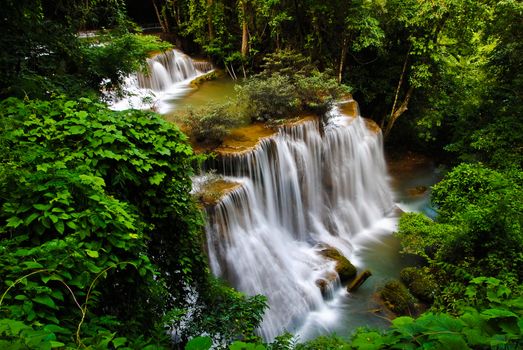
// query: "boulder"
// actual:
[[325, 281], [346, 271], [397, 298]]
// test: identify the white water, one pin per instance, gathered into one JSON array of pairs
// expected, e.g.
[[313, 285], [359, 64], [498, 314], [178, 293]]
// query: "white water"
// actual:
[[301, 188], [168, 78]]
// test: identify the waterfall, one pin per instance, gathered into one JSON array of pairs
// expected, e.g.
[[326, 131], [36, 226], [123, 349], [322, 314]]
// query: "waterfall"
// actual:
[[167, 78], [306, 187]]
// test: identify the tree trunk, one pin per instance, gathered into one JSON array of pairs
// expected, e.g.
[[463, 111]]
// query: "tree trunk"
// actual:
[[161, 19], [210, 25], [398, 112], [393, 113], [245, 31], [358, 281], [342, 58]]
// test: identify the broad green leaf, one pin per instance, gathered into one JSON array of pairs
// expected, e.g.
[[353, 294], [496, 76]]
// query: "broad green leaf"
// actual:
[[92, 253], [451, 341], [56, 344], [14, 222], [367, 341], [14, 326], [60, 226], [117, 342], [497, 313], [157, 178], [199, 343], [45, 300], [52, 328], [32, 265], [76, 130], [30, 218]]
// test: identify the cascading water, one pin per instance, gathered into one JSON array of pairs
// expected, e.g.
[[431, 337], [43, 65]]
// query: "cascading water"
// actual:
[[302, 189], [167, 79]]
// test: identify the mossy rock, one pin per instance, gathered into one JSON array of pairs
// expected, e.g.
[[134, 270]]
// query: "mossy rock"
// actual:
[[346, 271], [420, 283], [397, 298], [212, 75]]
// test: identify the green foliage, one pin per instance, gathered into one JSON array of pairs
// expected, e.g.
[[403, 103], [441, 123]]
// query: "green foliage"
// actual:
[[486, 207], [271, 98], [114, 56], [493, 325], [229, 314], [477, 232], [80, 204], [331, 342], [421, 236], [472, 184], [287, 85], [288, 63], [199, 343], [209, 124], [100, 236], [41, 53]]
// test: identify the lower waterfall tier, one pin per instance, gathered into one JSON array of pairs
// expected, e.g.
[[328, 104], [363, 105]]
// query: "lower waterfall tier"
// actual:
[[303, 189]]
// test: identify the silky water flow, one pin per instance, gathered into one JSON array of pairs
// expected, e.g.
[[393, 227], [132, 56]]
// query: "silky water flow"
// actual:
[[167, 78], [305, 188]]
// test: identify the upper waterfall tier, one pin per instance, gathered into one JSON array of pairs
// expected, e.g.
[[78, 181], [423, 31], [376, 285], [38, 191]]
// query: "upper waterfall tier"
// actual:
[[165, 69], [167, 78], [303, 188]]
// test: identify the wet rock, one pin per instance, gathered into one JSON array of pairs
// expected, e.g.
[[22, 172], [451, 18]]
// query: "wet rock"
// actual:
[[214, 190], [327, 280], [346, 271], [417, 191], [397, 298]]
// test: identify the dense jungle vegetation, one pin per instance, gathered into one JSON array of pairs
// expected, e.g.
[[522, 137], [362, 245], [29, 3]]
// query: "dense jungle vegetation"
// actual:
[[101, 242]]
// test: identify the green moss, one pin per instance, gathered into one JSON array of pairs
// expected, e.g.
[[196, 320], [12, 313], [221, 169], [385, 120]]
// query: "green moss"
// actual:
[[212, 75], [346, 271], [397, 298], [420, 283]]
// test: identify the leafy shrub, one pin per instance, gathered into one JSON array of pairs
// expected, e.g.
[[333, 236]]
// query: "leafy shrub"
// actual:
[[421, 236], [209, 124], [485, 206], [116, 56], [318, 91], [288, 84], [271, 98], [287, 63], [100, 235], [331, 342]]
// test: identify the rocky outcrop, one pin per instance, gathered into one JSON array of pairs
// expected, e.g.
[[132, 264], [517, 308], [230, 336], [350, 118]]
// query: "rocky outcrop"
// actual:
[[212, 191]]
